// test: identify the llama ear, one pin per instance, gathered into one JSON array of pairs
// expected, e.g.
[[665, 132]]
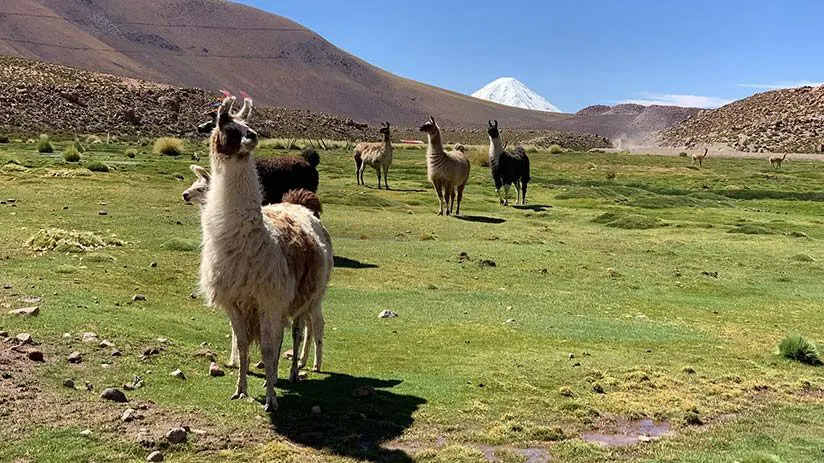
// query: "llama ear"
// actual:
[[431, 119], [200, 172], [224, 111], [496, 123], [490, 123], [387, 124]]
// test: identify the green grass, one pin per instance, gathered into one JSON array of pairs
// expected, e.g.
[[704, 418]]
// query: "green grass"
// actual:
[[619, 272]]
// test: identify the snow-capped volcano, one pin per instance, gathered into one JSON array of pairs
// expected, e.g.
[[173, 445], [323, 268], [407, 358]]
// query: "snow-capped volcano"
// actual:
[[512, 92]]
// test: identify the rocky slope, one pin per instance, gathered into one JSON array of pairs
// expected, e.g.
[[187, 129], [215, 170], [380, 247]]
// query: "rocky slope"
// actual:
[[630, 123], [39, 97], [781, 121]]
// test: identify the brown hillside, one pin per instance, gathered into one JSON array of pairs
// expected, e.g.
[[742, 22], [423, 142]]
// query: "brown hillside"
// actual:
[[781, 121], [214, 44]]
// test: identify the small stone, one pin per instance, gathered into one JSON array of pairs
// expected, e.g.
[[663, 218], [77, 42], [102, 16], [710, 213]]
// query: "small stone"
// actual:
[[139, 297], [23, 338], [86, 432], [303, 376], [102, 213], [163, 340], [260, 365], [7, 286], [129, 415], [571, 356], [67, 335], [75, 357], [137, 383], [5, 375], [36, 356], [193, 296], [178, 374], [26, 311], [69, 383], [116, 353], [363, 392], [288, 354], [105, 344], [387, 314], [155, 456], [153, 264], [32, 300], [214, 370], [176, 435], [316, 410], [4, 334], [114, 394], [509, 321], [597, 388], [89, 386], [644, 439], [89, 337]]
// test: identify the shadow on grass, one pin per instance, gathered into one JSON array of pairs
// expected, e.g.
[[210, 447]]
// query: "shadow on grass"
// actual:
[[480, 218], [344, 262], [534, 207], [402, 190], [349, 426]]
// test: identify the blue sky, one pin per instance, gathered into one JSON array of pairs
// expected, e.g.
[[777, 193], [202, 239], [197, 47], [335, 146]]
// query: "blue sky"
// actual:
[[578, 53]]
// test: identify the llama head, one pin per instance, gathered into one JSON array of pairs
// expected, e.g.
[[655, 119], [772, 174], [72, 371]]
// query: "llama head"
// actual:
[[231, 136], [196, 194], [243, 114], [430, 127], [209, 125], [384, 128], [493, 129], [460, 147]]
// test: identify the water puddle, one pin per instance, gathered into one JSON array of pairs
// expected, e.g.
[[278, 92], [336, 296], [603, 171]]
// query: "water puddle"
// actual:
[[630, 433]]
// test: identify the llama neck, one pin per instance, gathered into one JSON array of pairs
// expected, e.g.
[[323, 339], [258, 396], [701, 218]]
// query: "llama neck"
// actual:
[[784, 157], [234, 193], [387, 142], [435, 145], [495, 147]]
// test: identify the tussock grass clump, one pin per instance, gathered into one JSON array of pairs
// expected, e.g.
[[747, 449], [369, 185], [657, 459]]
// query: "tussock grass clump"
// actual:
[[682, 154], [93, 140], [44, 145], [281, 144], [13, 168], [100, 257], [803, 258], [611, 173], [629, 221], [797, 347], [130, 153], [556, 149], [168, 146], [752, 229], [97, 166], [479, 159], [181, 245], [68, 173], [71, 154], [60, 240]]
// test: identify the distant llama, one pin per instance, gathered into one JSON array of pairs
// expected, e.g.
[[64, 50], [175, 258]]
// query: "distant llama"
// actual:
[[775, 161], [447, 171], [507, 167], [376, 155], [263, 266], [699, 157]]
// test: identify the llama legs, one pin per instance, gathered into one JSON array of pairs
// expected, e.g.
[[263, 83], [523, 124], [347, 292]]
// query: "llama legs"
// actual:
[[297, 334], [460, 197], [233, 355], [241, 332], [317, 333], [271, 339], [386, 177], [439, 192]]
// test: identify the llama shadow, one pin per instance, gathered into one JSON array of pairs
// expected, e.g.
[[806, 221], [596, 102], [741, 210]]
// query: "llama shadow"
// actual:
[[480, 219], [402, 190], [347, 426], [344, 262], [534, 207]]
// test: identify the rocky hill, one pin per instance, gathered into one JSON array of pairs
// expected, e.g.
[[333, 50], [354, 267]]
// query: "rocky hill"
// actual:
[[39, 97], [630, 122], [781, 121]]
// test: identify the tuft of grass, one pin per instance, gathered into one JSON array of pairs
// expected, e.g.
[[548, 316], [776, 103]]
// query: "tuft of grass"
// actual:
[[97, 166], [797, 347], [479, 158], [803, 258], [68, 173], [44, 145], [60, 240], [682, 154], [130, 153], [71, 154], [181, 245], [168, 146], [611, 173], [556, 149], [93, 140], [752, 229], [628, 221]]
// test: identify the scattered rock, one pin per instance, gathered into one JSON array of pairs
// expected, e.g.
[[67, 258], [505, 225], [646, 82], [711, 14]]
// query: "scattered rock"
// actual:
[[155, 456], [114, 394], [178, 374], [5, 375], [23, 338], [32, 300], [75, 357], [36, 356], [4, 334], [214, 370], [644, 439], [86, 432], [316, 410], [116, 353], [105, 344], [509, 321], [363, 392], [597, 388], [207, 354], [89, 337], [487, 263], [7, 286], [710, 274], [387, 314], [571, 356], [129, 415], [193, 296], [260, 365], [102, 213], [163, 340], [302, 376], [89, 386], [153, 264], [69, 383], [176, 435], [26, 311], [139, 297], [566, 392], [288, 354], [689, 370], [463, 257], [137, 383]]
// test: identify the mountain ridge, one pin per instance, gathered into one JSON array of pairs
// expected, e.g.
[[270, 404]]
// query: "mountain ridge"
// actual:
[[510, 91]]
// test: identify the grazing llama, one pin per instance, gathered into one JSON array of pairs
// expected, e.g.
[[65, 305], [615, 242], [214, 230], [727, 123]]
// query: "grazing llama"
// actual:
[[264, 266], [507, 167], [376, 155], [699, 157], [775, 161], [446, 171]]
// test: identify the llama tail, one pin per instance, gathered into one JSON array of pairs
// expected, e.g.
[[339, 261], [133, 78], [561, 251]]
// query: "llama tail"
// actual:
[[305, 198], [358, 159], [311, 156]]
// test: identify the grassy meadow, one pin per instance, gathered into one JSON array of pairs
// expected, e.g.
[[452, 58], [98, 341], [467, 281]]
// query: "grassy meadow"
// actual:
[[632, 296]]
